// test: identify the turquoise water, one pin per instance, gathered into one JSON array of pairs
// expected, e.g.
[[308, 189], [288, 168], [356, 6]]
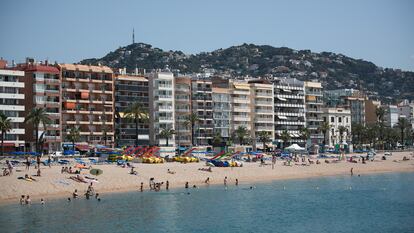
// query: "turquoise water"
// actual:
[[371, 203]]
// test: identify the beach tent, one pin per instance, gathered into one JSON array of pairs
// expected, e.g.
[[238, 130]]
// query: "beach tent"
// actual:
[[294, 147]]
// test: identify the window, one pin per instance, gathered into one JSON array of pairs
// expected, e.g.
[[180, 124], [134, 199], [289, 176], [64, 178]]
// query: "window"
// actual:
[[339, 119], [332, 119]]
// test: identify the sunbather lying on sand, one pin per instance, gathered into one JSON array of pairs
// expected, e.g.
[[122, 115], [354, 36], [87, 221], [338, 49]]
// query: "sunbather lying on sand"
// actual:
[[27, 178], [170, 172], [79, 178], [206, 169]]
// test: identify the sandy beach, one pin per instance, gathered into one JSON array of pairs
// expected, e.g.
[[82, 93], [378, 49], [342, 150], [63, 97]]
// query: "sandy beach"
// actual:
[[54, 184]]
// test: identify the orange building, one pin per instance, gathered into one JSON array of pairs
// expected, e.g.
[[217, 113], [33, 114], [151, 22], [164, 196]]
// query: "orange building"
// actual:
[[88, 103]]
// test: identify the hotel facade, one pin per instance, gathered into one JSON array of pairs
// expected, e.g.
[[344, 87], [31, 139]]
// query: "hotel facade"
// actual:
[[12, 105]]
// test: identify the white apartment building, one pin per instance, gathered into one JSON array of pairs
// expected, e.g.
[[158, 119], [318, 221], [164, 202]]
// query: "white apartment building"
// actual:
[[162, 106], [337, 117], [289, 104], [222, 112], [12, 105], [391, 115]]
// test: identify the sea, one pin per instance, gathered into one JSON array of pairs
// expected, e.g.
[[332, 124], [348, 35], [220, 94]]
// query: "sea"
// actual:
[[366, 203]]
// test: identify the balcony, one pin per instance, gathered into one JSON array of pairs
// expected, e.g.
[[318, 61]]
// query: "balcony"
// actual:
[[288, 105], [266, 128], [267, 103], [241, 101], [314, 111], [289, 123], [241, 118]]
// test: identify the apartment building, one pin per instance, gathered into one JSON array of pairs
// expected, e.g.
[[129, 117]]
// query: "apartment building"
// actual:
[[348, 98], [130, 88], [313, 106], [12, 105], [222, 112], [183, 111], [162, 106], [406, 110], [42, 89], [241, 103], [337, 117], [202, 105], [391, 115], [261, 110], [370, 111], [88, 102], [289, 107]]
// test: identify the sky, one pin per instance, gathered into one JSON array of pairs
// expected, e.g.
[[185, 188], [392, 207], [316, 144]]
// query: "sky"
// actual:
[[381, 31]]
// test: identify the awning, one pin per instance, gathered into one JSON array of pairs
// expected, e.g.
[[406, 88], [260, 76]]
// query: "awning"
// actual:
[[70, 105], [286, 90], [82, 147], [280, 98], [282, 117], [85, 95]]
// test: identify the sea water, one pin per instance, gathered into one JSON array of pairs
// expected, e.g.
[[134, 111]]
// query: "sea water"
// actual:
[[370, 203]]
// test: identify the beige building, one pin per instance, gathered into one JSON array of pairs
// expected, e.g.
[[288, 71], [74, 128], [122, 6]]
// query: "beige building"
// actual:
[[183, 110], [261, 110], [370, 111], [88, 102], [313, 105]]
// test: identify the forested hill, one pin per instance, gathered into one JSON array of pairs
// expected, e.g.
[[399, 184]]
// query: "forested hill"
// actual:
[[333, 70]]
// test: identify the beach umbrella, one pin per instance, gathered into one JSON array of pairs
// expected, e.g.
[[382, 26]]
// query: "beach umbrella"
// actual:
[[96, 172]]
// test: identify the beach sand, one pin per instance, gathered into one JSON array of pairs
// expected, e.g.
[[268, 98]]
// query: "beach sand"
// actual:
[[53, 184]]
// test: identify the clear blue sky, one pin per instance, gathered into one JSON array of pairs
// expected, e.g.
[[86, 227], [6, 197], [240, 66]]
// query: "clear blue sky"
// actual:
[[381, 31]]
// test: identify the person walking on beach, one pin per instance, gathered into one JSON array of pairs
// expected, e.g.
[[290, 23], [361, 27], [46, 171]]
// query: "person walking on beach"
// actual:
[[186, 185], [225, 181], [167, 185], [142, 187], [352, 171], [237, 182], [49, 160], [207, 181], [27, 163]]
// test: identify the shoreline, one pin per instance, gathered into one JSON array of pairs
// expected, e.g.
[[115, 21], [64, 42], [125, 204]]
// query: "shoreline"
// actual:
[[117, 180], [64, 196]]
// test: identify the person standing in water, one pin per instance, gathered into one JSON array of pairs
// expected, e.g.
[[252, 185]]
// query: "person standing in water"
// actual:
[[352, 171], [225, 181], [167, 185], [237, 182]]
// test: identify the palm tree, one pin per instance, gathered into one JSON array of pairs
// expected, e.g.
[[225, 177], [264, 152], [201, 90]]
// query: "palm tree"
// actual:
[[36, 117], [5, 126], [304, 134], [324, 128], [264, 137], [285, 136], [357, 133], [402, 125], [380, 113], [136, 112], [342, 129], [167, 134], [192, 119], [105, 133], [217, 140], [241, 133], [73, 136]]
